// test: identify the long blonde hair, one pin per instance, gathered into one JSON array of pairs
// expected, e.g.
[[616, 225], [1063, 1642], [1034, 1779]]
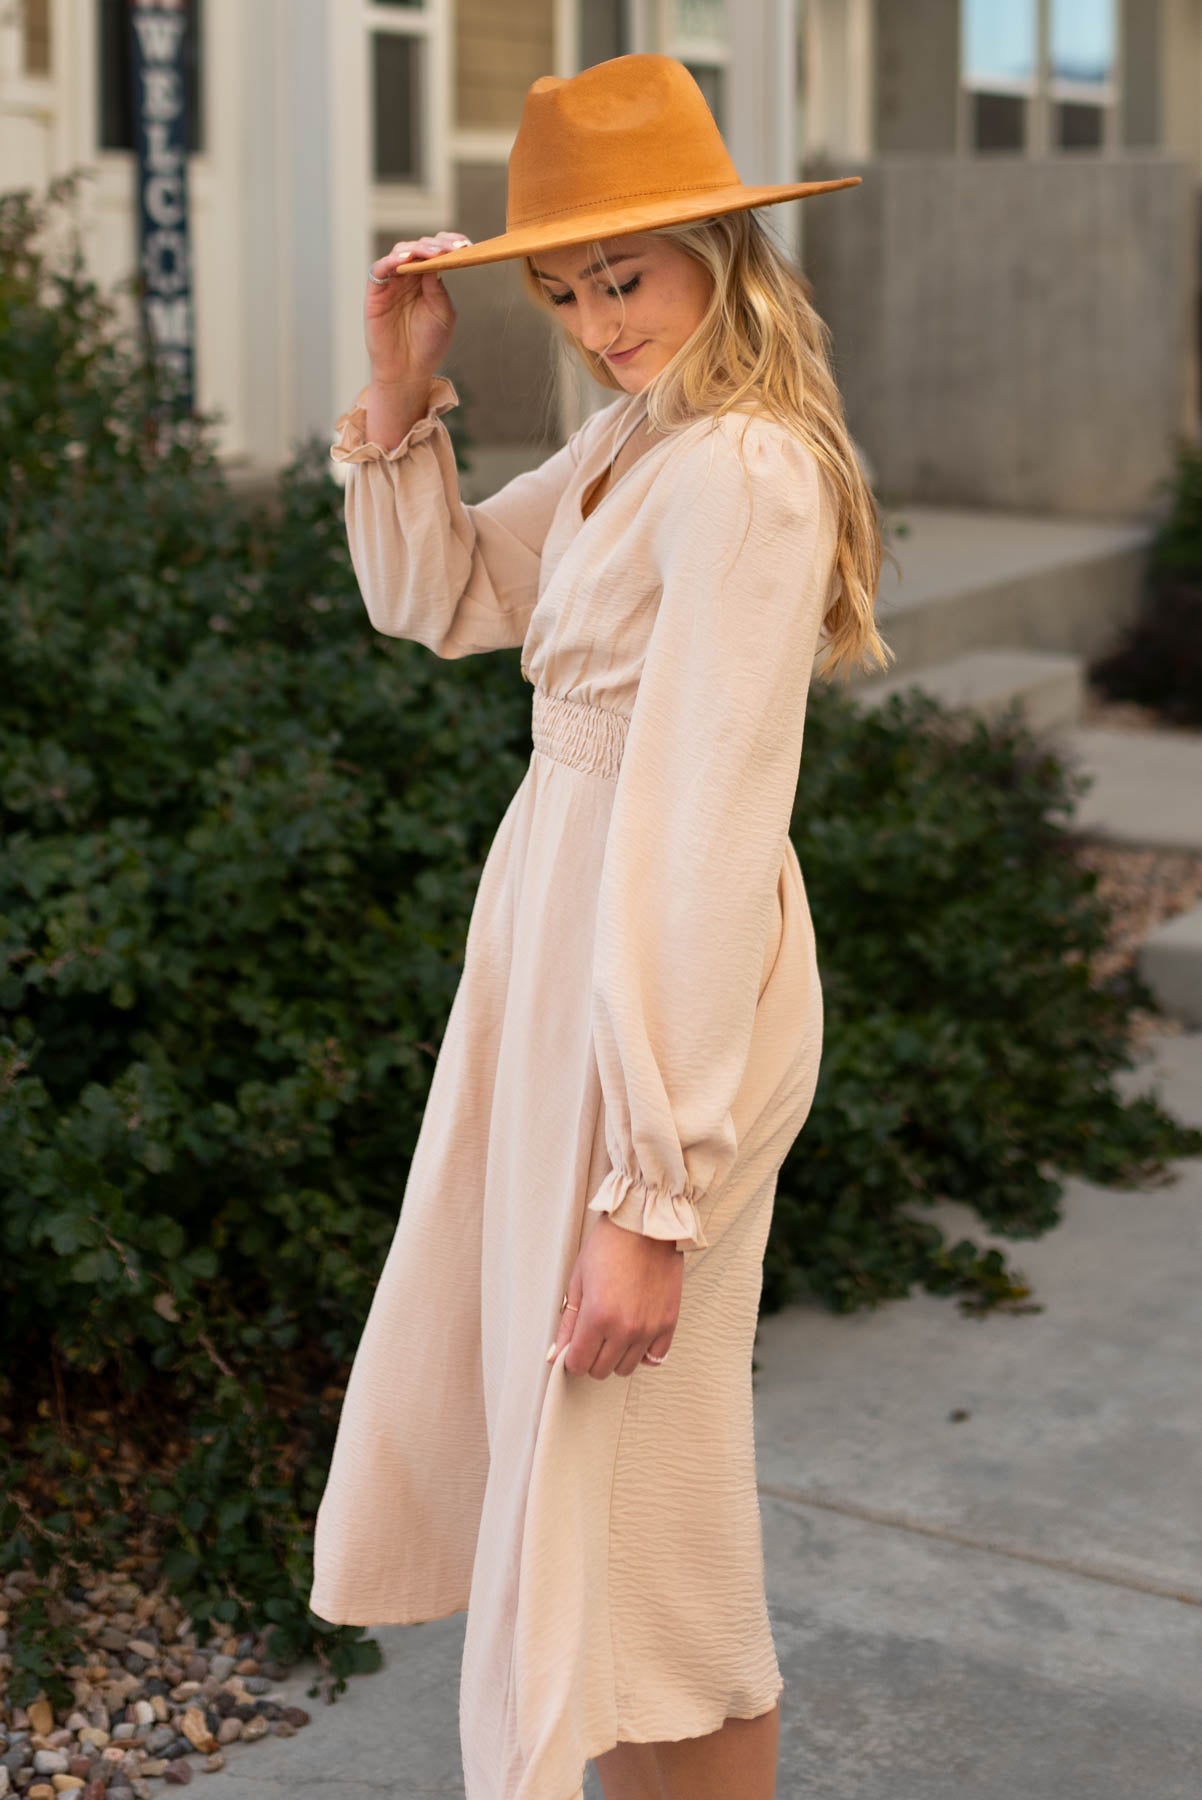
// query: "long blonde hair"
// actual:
[[762, 345]]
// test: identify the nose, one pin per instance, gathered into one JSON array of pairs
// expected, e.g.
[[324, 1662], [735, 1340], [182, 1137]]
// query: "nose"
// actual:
[[599, 323]]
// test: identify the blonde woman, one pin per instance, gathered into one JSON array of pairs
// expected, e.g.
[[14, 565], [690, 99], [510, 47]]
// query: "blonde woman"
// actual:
[[634, 1043]]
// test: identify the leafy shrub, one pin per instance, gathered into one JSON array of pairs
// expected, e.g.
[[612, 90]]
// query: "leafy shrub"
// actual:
[[1158, 659], [969, 1051], [242, 834], [241, 838]]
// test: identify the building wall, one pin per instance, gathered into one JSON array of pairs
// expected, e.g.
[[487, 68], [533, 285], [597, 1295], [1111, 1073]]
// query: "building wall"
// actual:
[[1143, 52], [1012, 333], [917, 69], [1181, 65]]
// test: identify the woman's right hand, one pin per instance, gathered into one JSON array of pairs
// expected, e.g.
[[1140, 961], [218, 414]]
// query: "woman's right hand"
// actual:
[[408, 324]]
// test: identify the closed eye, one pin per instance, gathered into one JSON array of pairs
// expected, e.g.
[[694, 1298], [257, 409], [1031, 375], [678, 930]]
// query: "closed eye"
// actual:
[[562, 299]]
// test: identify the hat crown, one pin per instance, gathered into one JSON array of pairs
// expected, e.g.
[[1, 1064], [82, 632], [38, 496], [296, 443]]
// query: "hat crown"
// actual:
[[633, 128]]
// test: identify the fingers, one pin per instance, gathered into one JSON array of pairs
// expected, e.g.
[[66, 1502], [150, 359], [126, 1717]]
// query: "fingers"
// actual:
[[590, 1352], [659, 1346], [629, 1361], [414, 250], [569, 1314]]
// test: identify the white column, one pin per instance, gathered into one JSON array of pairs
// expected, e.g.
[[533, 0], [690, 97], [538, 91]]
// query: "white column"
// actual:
[[264, 230], [305, 218], [839, 98], [761, 128], [350, 194]]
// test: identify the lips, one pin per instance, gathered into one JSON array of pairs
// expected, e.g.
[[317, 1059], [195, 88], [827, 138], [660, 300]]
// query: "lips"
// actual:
[[624, 355]]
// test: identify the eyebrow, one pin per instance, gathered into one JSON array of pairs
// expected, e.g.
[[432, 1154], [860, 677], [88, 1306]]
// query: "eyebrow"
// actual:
[[593, 268]]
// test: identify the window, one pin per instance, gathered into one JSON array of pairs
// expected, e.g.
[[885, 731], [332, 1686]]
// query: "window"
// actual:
[[116, 112], [1081, 84], [998, 58], [399, 55], [1038, 75], [35, 32], [397, 102]]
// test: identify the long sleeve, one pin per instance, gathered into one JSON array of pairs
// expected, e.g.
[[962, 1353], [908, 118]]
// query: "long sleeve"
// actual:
[[456, 577], [701, 814]]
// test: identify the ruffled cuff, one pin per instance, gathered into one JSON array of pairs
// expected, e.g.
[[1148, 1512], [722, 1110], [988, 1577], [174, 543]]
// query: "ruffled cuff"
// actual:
[[638, 1206], [351, 443]]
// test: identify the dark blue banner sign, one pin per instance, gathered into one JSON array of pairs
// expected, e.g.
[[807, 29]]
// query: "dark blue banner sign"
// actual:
[[159, 45]]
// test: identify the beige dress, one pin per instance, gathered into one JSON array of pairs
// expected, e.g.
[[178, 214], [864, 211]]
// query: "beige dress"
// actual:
[[637, 1032]]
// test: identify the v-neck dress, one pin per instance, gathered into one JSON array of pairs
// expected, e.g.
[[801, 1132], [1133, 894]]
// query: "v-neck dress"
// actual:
[[636, 1032]]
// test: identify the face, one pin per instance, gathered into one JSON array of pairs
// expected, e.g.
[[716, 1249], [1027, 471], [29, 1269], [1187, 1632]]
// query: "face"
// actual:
[[663, 290]]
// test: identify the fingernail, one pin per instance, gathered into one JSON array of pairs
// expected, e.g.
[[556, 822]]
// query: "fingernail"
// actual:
[[404, 255], [550, 1357]]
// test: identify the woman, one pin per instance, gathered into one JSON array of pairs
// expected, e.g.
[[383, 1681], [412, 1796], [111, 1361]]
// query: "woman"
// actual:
[[635, 1039]]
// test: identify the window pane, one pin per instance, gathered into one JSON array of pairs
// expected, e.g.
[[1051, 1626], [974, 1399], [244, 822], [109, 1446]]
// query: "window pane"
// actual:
[[1078, 125], [397, 105], [997, 42], [116, 113], [37, 37], [701, 20], [1082, 47], [999, 121]]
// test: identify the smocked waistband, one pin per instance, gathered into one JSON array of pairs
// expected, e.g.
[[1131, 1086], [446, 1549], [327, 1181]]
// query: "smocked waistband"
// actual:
[[584, 737]]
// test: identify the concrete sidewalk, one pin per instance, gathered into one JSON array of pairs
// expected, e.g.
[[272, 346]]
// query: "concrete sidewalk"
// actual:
[[1005, 1604], [1010, 1602]]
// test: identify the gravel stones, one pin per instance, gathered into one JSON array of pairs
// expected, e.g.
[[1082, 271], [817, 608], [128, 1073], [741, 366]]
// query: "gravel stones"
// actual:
[[150, 1705]]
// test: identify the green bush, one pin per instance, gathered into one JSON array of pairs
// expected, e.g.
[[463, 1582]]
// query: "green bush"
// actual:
[[1158, 659], [242, 834], [969, 1053]]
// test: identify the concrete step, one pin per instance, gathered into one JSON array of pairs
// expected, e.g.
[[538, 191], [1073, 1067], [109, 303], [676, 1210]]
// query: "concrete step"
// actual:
[[1147, 786], [973, 580], [1049, 685], [1170, 961]]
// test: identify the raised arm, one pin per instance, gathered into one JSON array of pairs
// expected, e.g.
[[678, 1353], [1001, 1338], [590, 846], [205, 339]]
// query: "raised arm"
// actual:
[[454, 577]]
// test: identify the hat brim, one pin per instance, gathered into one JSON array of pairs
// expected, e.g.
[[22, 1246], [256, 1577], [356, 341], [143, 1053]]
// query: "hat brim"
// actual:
[[617, 221]]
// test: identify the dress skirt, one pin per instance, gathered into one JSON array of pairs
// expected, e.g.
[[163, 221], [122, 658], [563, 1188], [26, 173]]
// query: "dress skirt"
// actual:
[[604, 1536]]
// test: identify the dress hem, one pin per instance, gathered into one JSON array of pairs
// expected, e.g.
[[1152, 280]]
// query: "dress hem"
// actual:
[[422, 1618], [704, 1730]]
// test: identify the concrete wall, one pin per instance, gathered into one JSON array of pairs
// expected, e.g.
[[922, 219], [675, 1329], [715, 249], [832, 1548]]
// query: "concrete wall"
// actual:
[[1143, 54], [1008, 332], [917, 74]]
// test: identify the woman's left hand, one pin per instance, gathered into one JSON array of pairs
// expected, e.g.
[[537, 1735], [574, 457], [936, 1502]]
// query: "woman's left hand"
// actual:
[[627, 1290]]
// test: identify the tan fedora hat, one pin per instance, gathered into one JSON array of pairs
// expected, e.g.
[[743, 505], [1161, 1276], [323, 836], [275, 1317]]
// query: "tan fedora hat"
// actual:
[[624, 146]]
